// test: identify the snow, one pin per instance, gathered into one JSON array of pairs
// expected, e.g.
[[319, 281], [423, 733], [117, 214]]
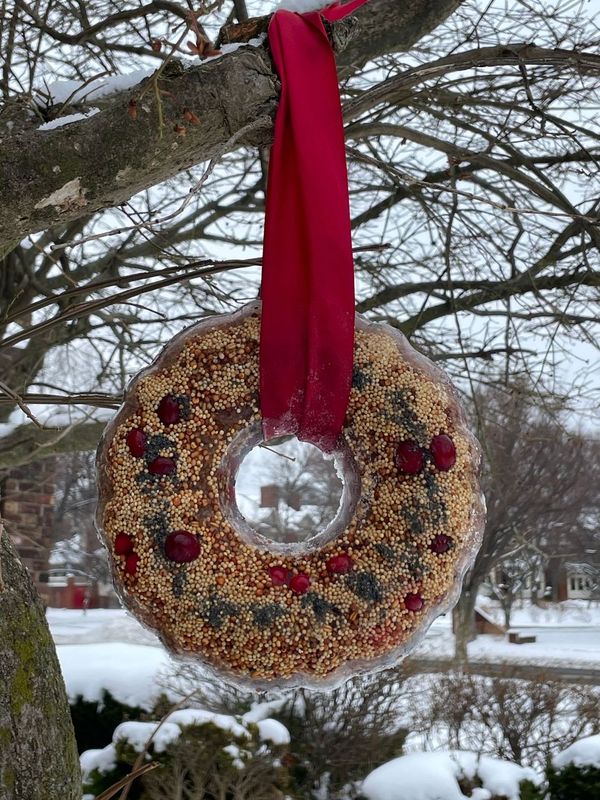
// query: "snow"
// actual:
[[235, 752], [67, 120], [260, 711], [103, 760], [131, 673], [268, 729], [583, 753], [109, 649], [434, 776], [302, 6], [71, 91], [271, 730], [142, 734], [6, 428], [198, 716], [78, 92], [225, 49]]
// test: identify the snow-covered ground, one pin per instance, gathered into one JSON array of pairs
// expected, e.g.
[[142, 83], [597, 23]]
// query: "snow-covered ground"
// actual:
[[574, 613], [110, 649], [568, 638]]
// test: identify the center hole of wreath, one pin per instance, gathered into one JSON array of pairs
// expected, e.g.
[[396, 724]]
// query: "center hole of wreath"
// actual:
[[287, 490]]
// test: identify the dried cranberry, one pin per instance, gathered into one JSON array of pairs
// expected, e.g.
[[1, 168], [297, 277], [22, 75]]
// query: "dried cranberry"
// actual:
[[413, 602], [440, 543], [279, 576], [443, 452], [300, 583], [131, 563], [136, 442], [123, 544], [162, 465], [339, 565], [181, 546], [169, 410], [410, 458]]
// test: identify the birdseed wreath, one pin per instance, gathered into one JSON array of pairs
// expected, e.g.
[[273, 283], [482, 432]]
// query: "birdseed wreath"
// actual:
[[353, 598]]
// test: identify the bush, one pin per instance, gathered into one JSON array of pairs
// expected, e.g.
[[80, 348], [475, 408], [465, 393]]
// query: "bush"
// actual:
[[573, 783], [205, 763], [574, 774], [525, 721], [337, 736], [199, 760], [95, 721]]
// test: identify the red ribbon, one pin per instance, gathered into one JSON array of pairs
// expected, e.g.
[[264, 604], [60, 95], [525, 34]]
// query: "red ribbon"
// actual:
[[307, 320]]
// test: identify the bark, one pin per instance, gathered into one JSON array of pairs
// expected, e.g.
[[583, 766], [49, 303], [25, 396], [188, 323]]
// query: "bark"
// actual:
[[51, 177], [38, 754]]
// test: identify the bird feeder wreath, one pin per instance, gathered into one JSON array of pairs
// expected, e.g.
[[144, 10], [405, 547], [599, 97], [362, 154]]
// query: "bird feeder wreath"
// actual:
[[357, 596]]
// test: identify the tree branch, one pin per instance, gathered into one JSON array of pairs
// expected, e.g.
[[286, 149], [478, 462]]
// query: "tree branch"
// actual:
[[28, 443], [49, 177]]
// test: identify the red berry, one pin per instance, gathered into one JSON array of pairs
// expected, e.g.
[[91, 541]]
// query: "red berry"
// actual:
[[279, 575], [300, 583], [181, 546], [123, 544], [162, 466], [169, 411], [131, 563], [443, 452], [440, 543], [136, 442], [410, 458], [339, 565], [413, 602]]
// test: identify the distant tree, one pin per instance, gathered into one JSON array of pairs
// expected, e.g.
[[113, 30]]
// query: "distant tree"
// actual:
[[76, 547], [539, 478], [295, 490], [516, 574]]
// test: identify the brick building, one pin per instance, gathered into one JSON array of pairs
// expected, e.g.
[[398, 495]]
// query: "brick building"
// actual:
[[27, 509]]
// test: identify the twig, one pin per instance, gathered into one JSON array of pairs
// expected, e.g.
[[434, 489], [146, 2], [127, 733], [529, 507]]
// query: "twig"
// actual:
[[127, 780], [96, 399], [18, 399], [276, 452]]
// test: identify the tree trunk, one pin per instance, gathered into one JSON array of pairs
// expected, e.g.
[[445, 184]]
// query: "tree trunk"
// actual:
[[463, 619], [38, 754], [507, 610]]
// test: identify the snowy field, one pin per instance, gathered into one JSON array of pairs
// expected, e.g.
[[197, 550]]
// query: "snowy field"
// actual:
[[110, 649]]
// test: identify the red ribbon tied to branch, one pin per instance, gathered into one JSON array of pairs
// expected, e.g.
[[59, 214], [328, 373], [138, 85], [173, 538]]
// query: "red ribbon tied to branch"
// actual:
[[307, 292]]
